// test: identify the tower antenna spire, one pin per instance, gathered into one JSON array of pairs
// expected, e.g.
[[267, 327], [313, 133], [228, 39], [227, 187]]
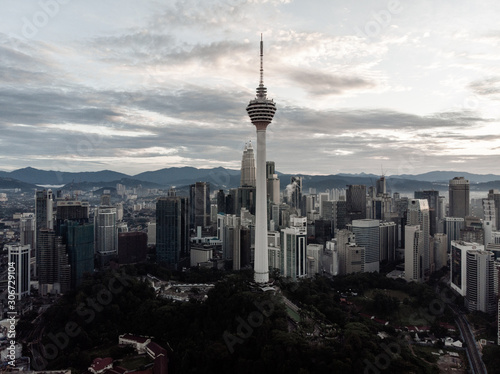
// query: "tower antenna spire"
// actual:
[[261, 90], [261, 61]]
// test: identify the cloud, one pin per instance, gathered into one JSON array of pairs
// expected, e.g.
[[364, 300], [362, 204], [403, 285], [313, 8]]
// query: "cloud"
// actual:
[[486, 87], [319, 83]]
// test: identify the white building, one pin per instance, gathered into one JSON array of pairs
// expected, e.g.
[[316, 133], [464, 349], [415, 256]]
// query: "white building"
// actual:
[[480, 295], [138, 342], [418, 214], [294, 249], [414, 256], [20, 256], [199, 255], [313, 258], [367, 232], [106, 232], [458, 265]]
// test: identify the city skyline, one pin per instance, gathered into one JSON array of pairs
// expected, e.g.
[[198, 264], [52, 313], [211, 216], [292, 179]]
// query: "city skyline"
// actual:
[[386, 87]]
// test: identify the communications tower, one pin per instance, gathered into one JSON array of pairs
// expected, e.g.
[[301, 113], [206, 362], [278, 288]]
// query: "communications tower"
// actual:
[[261, 112]]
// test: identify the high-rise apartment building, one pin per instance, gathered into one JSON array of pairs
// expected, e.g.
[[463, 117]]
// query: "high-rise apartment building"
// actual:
[[458, 264], [294, 249], [480, 295], [459, 198]]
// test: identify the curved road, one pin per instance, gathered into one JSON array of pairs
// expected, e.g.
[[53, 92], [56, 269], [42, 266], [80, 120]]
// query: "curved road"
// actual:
[[475, 360]]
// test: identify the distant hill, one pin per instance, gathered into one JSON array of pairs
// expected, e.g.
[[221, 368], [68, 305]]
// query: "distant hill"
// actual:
[[9, 183], [188, 175], [221, 178], [37, 176], [445, 176], [129, 182]]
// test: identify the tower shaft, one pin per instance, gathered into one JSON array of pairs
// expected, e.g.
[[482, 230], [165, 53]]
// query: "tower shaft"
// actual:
[[261, 266]]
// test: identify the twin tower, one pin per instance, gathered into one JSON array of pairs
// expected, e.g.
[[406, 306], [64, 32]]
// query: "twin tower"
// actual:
[[261, 112]]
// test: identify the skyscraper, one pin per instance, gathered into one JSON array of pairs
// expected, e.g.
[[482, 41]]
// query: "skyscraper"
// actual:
[[458, 264], [261, 111], [44, 202], [79, 239], [54, 270], [72, 210], [172, 230], [432, 198], [294, 191], [418, 214], [27, 228], [367, 232], [44, 217], [199, 204], [294, 249], [495, 196], [106, 234], [356, 202], [20, 256], [273, 183], [459, 197], [440, 250], [381, 186], [413, 253], [480, 294], [248, 167], [452, 227]]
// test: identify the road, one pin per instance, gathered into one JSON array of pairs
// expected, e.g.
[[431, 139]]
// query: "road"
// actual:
[[475, 360]]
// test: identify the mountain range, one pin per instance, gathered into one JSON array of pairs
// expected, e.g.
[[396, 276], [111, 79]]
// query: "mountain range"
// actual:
[[221, 178]]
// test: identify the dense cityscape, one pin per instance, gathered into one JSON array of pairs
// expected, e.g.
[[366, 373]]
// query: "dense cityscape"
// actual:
[[63, 239], [211, 257]]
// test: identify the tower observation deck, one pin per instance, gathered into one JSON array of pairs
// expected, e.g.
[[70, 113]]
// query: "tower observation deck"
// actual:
[[261, 109]]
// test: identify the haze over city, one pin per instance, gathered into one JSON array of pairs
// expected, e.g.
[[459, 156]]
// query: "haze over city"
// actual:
[[394, 87]]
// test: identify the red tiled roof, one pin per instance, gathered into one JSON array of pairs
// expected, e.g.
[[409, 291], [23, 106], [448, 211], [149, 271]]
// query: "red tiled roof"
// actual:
[[100, 363]]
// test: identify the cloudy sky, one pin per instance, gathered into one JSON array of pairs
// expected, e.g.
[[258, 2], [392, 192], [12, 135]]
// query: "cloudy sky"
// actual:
[[400, 87]]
